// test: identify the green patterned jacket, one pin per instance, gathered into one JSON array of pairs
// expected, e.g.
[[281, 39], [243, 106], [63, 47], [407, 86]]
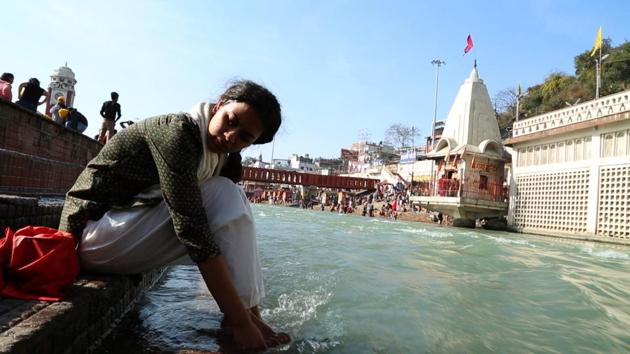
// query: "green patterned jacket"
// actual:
[[162, 150]]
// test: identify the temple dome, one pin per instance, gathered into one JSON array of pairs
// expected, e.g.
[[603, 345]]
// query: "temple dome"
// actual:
[[64, 71]]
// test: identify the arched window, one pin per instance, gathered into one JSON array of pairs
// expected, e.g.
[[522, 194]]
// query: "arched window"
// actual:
[[570, 151], [620, 144], [607, 145], [579, 150]]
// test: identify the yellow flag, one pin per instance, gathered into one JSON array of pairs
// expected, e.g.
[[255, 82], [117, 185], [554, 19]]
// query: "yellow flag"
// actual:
[[598, 41]]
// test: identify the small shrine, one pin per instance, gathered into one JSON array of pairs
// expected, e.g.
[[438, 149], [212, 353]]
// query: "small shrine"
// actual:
[[469, 182]]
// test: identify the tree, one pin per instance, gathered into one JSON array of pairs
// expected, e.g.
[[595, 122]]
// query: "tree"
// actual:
[[400, 135], [560, 90], [505, 105]]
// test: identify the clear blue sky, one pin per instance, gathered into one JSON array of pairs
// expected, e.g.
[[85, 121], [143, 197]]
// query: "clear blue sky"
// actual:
[[337, 67]]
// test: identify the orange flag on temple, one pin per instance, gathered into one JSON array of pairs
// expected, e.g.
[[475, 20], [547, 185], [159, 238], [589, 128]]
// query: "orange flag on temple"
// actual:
[[469, 44]]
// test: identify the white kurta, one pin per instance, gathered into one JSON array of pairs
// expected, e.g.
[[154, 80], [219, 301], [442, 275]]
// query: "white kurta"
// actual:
[[135, 240]]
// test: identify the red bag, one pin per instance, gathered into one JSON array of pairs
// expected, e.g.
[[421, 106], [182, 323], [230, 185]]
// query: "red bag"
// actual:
[[37, 263]]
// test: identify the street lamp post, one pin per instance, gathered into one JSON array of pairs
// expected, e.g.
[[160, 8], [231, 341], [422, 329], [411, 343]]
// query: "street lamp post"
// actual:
[[437, 63], [413, 150], [598, 72]]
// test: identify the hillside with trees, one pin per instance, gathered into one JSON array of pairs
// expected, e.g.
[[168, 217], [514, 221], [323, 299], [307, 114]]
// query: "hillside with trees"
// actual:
[[561, 90]]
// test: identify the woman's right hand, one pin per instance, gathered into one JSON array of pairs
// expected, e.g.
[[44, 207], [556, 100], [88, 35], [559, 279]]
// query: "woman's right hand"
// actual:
[[217, 278]]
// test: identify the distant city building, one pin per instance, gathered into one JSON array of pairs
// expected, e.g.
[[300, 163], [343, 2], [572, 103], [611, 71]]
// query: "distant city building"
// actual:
[[330, 166], [282, 164], [62, 83], [302, 163], [371, 157], [439, 128], [414, 165]]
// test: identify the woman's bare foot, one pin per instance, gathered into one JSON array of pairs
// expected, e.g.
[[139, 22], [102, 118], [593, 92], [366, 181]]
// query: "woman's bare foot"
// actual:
[[272, 338]]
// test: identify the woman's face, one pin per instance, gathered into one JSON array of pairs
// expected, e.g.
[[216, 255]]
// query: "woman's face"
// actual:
[[233, 127]]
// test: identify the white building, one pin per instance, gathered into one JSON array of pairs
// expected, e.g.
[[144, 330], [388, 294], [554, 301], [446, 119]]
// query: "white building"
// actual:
[[62, 83], [571, 171], [371, 157], [302, 163], [409, 166], [282, 164]]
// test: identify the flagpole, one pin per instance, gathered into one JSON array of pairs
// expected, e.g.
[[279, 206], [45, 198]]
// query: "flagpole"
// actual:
[[437, 63], [518, 100], [598, 69]]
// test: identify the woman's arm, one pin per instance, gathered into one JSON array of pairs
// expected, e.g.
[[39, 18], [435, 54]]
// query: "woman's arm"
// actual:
[[216, 275], [175, 147]]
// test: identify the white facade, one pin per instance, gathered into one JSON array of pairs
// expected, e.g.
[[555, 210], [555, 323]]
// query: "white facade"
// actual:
[[571, 171], [281, 163], [471, 119], [302, 163], [369, 157]]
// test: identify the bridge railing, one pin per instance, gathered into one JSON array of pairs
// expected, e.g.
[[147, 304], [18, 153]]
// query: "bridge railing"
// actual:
[[306, 179]]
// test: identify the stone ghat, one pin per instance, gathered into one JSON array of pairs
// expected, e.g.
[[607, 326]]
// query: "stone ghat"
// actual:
[[93, 306], [39, 162]]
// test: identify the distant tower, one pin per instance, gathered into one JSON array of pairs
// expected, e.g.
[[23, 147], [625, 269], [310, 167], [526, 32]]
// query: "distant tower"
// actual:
[[61, 84]]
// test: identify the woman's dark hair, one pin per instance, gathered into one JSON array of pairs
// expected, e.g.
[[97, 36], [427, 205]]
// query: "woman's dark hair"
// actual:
[[262, 101], [232, 167], [7, 77], [33, 81]]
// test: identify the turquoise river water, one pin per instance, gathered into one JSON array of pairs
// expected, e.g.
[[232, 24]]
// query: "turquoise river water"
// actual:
[[351, 284]]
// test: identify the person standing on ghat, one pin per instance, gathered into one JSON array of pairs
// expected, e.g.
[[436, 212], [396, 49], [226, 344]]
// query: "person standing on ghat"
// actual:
[[163, 192], [110, 111]]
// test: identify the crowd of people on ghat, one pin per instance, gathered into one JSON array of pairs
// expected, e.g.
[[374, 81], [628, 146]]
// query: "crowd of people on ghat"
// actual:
[[387, 201], [30, 95]]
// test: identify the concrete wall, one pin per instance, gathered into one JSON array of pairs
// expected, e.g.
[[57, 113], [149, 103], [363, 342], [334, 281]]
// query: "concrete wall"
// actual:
[[570, 183], [37, 155], [93, 306]]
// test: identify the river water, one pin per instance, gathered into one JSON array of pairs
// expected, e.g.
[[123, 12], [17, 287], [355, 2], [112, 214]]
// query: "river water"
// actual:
[[351, 284]]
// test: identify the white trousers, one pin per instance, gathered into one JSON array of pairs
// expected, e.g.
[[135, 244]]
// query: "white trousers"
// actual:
[[136, 240]]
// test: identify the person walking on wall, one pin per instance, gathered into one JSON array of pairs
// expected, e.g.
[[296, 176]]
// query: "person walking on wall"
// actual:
[[110, 113], [30, 95], [5, 86]]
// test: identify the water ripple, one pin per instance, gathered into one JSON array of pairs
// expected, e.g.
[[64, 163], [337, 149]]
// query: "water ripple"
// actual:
[[351, 284]]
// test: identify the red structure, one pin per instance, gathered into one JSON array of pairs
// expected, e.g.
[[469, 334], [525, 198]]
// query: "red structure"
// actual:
[[307, 179]]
